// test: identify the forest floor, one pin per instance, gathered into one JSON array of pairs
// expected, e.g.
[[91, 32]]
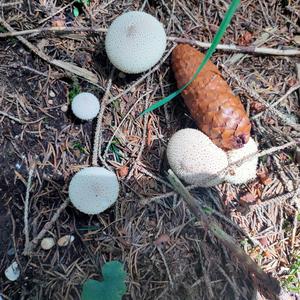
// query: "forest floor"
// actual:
[[166, 253]]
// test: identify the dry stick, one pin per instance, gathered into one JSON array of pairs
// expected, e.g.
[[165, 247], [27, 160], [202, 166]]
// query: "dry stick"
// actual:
[[11, 117], [54, 30], [26, 208], [231, 48], [10, 4], [272, 105], [81, 72], [46, 228], [166, 265], [238, 57], [234, 48], [98, 132], [269, 286]]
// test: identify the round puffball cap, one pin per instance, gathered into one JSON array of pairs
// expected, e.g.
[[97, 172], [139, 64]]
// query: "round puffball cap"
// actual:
[[247, 170], [194, 158], [135, 42], [94, 189], [85, 106]]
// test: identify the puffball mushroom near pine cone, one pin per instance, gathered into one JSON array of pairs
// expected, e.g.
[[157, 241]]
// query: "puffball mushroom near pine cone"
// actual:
[[247, 170], [194, 158], [135, 42], [85, 106], [94, 189]]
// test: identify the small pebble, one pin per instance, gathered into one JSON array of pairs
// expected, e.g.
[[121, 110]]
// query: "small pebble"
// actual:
[[52, 94], [12, 273], [50, 102], [65, 240], [64, 108], [47, 243], [122, 75]]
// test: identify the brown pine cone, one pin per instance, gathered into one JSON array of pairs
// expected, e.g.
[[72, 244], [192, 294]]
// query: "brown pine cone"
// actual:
[[211, 102]]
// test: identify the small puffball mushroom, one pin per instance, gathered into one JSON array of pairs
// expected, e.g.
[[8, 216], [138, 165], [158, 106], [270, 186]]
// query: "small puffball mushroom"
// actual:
[[247, 170], [195, 158], [13, 272], [85, 106], [94, 189], [135, 42], [65, 240], [47, 243]]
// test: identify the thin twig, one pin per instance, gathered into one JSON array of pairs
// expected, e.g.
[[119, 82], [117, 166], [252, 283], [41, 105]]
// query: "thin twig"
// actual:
[[268, 285], [26, 208], [234, 48], [123, 120], [290, 91], [10, 4], [276, 200], [54, 30], [69, 67], [166, 265], [98, 132], [11, 117], [138, 158], [225, 47], [46, 228], [257, 97], [56, 12]]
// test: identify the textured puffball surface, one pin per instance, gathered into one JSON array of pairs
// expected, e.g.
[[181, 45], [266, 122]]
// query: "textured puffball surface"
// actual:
[[247, 171], [135, 42], [193, 157], [94, 189], [85, 106]]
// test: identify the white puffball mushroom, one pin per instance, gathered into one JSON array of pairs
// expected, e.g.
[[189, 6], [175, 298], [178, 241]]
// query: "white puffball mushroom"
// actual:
[[135, 42], [13, 272], [94, 189], [85, 106], [247, 170], [65, 240], [47, 243], [194, 158]]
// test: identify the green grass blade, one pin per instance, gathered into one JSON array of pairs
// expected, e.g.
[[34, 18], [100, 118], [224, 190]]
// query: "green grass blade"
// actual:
[[227, 18]]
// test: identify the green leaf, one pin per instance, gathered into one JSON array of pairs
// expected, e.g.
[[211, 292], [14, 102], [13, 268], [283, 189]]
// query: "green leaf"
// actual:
[[228, 16], [112, 287], [75, 11]]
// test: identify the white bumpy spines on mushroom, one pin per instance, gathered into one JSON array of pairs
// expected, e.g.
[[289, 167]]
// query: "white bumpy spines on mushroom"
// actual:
[[94, 189], [247, 170], [85, 106], [135, 41], [195, 158]]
